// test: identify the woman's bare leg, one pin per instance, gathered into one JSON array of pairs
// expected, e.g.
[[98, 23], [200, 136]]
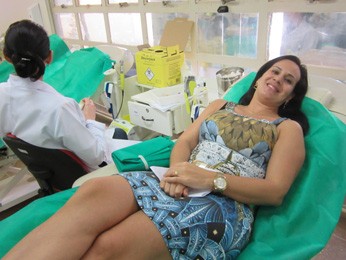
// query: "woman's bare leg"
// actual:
[[136, 237], [98, 205]]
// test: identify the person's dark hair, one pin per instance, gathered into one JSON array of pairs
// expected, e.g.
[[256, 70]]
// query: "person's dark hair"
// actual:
[[27, 46], [292, 109]]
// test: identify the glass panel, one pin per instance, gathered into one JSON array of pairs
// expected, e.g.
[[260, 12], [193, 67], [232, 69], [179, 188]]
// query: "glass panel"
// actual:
[[63, 2], [93, 27], [66, 26], [208, 70], [90, 2], [228, 34], [121, 1], [167, 1], [126, 28], [156, 23], [317, 38]]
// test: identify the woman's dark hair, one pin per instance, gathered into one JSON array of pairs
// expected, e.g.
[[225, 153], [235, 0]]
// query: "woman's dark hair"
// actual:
[[292, 109], [27, 46]]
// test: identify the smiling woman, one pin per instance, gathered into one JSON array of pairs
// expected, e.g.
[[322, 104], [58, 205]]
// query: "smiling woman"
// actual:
[[291, 109], [278, 83]]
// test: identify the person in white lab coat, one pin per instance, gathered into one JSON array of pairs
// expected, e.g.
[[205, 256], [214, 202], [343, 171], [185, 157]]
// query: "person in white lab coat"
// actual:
[[35, 112], [299, 36]]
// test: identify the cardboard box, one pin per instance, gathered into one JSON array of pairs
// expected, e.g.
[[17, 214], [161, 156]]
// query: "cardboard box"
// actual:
[[160, 66]]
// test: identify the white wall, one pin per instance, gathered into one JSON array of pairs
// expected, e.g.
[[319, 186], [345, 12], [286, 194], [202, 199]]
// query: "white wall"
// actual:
[[14, 10]]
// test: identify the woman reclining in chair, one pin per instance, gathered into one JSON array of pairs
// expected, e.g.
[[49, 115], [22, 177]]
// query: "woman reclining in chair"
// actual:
[[35, 112], [247, 154]]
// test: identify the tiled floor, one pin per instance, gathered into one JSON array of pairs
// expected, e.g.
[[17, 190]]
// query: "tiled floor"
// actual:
[[336, 248]]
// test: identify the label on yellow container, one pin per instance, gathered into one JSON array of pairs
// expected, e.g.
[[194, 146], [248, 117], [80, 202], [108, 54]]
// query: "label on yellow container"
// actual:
[[159, 66]]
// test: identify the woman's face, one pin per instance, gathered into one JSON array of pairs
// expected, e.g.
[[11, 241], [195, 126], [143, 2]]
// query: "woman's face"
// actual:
[[278, 82]]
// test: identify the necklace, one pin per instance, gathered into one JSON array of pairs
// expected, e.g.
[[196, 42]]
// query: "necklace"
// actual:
[[267, 115]]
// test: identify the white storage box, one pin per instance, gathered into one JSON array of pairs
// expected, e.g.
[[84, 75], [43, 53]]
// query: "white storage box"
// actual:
[[162, 98], [151, 118], [169, 96]]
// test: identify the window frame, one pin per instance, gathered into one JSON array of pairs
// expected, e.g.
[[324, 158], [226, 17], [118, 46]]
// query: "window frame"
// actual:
[[192, 8]]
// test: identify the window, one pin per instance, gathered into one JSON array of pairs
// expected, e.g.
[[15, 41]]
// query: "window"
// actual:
[[63, 2], [317, 38], [156, 23], [66, 26], [122, 1], [126, 28], [245, 36], [90, 2], [228, 34], [93, 27]]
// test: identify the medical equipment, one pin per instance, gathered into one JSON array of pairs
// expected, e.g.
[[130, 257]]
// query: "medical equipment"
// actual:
[[189, 85], [163, 110], [111, 90], [117, 88], [108, 90]]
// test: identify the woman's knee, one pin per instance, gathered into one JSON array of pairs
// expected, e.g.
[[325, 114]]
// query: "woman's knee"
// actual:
[[112, 192], [107, 247], [97, 187]]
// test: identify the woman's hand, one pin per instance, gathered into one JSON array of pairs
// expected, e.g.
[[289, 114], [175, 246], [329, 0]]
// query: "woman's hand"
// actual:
[[184, 175], [174, 190], [89, 109]]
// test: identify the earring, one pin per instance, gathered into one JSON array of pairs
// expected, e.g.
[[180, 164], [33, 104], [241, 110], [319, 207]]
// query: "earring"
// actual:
[[255, 86], [285, 104]]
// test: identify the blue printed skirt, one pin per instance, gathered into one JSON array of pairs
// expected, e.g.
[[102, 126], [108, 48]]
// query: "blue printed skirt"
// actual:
[[210, 227]]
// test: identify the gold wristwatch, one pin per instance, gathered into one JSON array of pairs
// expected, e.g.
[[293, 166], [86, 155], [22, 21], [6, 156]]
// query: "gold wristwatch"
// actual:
[[220, 182]]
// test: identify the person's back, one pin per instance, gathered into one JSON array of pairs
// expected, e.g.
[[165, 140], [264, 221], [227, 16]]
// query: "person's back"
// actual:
[[33, 110]]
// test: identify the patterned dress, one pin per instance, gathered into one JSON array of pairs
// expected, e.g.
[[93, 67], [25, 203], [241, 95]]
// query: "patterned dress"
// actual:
[[213, 226]]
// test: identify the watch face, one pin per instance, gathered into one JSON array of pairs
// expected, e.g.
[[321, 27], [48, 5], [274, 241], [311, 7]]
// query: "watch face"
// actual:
[[220, 183]]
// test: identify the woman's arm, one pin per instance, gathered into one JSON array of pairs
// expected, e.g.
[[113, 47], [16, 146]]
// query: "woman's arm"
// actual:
[[286, 160], [183, 148], [284, 165]]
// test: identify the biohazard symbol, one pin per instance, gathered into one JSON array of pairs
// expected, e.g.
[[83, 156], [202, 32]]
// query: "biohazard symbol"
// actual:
[[149, 73]]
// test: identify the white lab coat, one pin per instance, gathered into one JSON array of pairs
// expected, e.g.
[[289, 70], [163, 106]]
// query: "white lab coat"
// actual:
[[299, 40], [38, 114]]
